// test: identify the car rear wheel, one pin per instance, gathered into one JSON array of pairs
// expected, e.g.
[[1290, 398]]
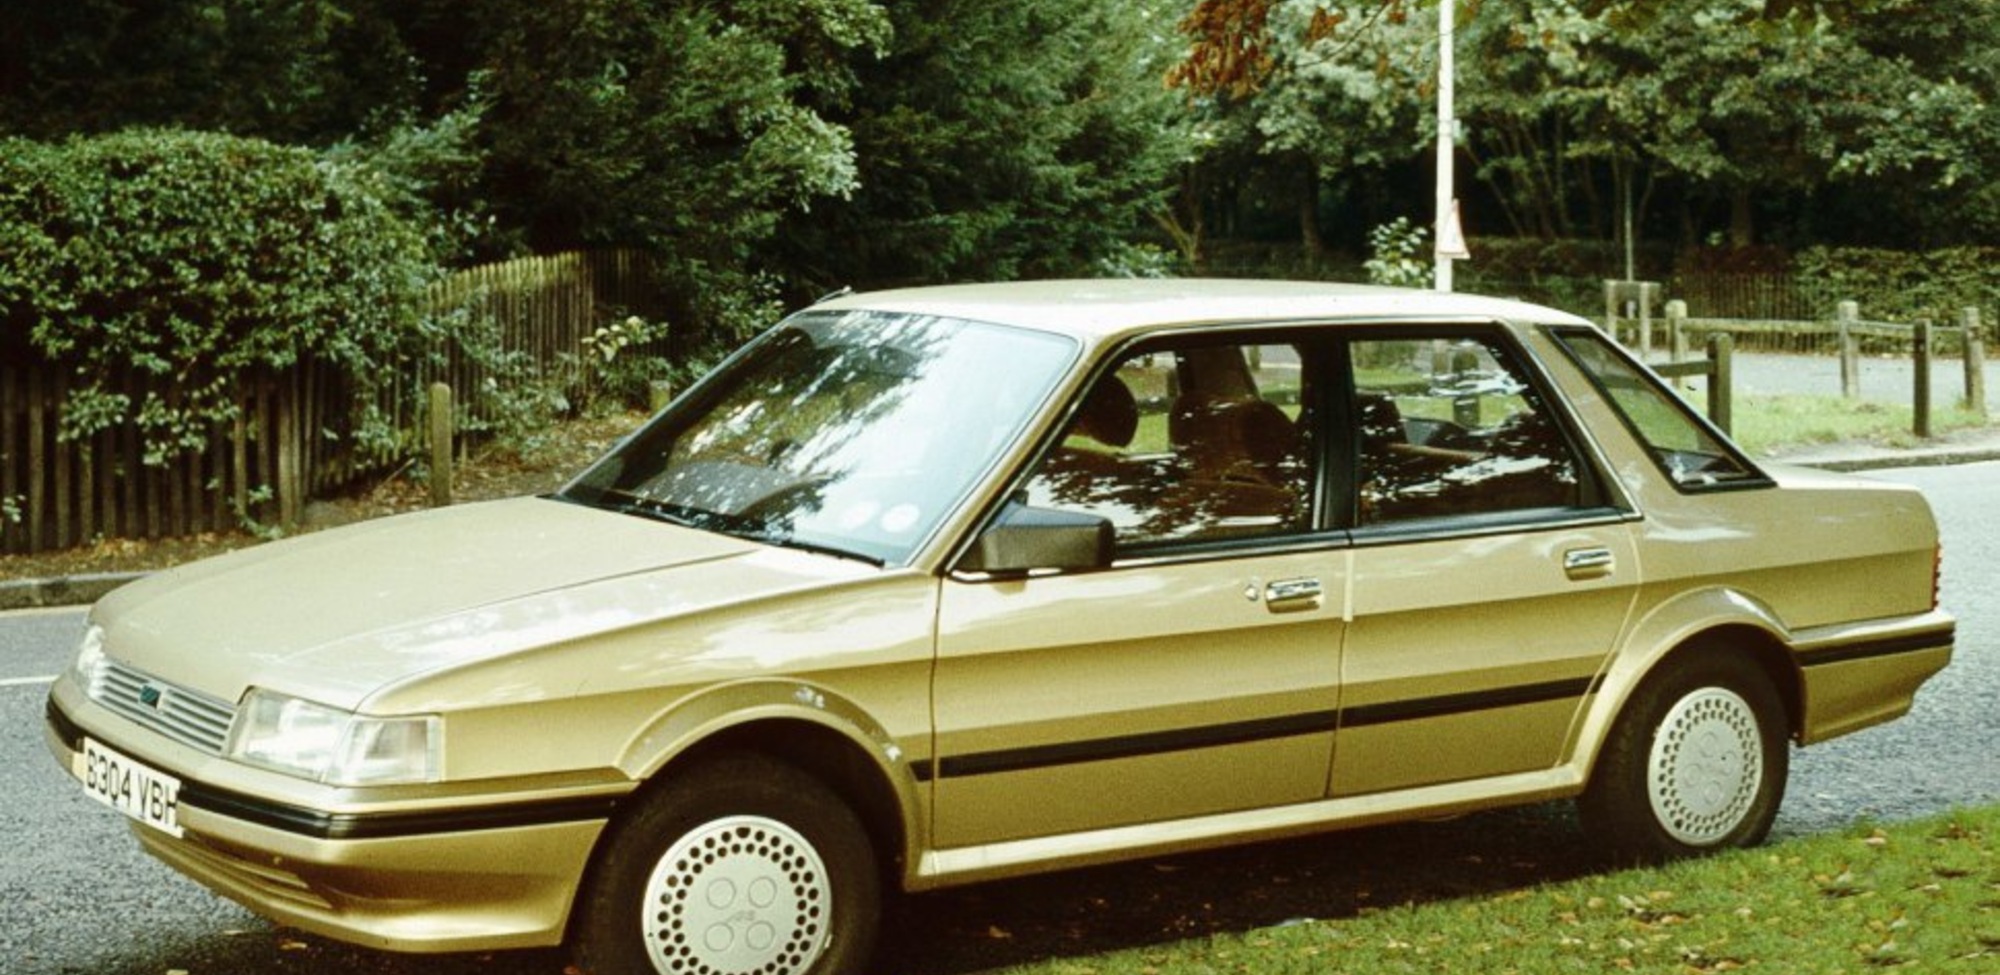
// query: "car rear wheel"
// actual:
[[742, 866], [1695, 763]]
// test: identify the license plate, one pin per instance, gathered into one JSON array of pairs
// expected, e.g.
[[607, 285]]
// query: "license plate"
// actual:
[[144, 793]]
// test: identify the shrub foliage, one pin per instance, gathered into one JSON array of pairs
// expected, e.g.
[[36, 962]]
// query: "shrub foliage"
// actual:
[[199, 259]]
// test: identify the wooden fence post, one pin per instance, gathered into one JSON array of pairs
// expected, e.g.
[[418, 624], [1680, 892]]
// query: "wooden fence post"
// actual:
[[441, 436], [1846, 315], [1611, 309], [1721, 379], [1677, 340], [1647, 292], [1975, 361], [1921, 424]]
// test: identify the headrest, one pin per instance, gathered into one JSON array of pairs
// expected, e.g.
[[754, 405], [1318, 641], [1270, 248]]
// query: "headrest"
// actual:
[[1110, 414]]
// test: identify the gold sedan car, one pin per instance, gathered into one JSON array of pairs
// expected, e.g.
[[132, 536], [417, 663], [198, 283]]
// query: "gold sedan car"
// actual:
[[935, 586]]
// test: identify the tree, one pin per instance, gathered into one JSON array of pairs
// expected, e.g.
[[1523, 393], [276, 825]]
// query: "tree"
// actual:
[[1733, 115], [681, 126], [295, 71], [997, 140]]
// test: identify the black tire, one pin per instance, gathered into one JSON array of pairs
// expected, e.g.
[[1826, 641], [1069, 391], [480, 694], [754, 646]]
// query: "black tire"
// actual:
[[1696, 763], [743, 865]]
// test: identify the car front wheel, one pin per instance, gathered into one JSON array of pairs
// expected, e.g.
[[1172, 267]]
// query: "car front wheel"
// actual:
[[742, 866], [1695, 763]]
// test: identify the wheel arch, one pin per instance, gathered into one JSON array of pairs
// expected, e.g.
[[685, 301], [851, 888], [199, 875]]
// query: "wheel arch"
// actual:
[[1716, 621], [801, 724]]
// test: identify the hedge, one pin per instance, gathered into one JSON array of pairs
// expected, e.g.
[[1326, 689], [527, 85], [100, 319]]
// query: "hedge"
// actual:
[[200, 258]]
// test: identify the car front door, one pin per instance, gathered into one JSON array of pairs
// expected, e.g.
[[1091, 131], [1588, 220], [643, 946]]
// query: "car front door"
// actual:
[[1197, 674]]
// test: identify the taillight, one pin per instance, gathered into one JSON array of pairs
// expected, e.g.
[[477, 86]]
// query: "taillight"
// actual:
[[1937, 572]]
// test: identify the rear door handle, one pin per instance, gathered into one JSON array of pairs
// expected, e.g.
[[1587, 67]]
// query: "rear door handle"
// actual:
[[1288, 595], [1588, 563]]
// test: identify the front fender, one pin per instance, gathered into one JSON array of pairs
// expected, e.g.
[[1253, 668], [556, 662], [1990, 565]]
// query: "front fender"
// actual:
[[726, 709]]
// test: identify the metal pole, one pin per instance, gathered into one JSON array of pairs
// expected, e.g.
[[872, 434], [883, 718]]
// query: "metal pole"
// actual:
[[1447, 121]]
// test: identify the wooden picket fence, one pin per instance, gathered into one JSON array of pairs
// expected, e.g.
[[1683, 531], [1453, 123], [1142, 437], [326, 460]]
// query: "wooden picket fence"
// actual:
[[293, 436]]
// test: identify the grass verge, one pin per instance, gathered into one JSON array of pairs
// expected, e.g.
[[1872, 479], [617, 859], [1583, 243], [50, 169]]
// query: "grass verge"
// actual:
[[1770, 424], [1922, 895]]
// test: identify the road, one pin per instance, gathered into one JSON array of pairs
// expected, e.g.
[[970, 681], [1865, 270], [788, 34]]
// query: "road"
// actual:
[[78, 897], [1881, 379]]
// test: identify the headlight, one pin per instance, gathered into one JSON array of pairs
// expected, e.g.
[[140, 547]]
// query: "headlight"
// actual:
[[326, 744], [89, 654]]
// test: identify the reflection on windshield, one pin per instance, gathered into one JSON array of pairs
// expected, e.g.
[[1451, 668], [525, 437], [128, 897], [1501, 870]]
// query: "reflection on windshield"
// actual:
[[851, 433]]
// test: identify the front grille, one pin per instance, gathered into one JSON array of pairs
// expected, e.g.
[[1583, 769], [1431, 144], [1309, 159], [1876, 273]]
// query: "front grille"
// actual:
[[189, 717]]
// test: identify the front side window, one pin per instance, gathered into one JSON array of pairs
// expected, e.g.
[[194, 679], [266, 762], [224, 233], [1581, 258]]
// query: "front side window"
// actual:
[[1190, 443], [1687, 450], [1449, 426], [852, 433]]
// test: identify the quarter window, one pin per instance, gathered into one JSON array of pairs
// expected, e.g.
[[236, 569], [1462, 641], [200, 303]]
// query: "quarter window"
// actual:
[[1686, 449]]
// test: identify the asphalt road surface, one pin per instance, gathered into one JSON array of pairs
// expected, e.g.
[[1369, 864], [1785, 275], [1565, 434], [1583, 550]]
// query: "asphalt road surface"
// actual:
[[77, 896]]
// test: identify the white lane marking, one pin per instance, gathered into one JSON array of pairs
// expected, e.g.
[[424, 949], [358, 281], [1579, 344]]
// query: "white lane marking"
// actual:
[[26, 681]]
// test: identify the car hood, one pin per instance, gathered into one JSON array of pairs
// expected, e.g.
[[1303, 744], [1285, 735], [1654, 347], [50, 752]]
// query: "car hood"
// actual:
[[344, 613]]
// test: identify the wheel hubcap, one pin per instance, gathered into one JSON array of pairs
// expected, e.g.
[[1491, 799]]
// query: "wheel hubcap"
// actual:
[[1706, 765], [739, 896]]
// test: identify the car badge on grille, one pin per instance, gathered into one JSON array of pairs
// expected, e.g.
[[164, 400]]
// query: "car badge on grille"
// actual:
[[151, 696]]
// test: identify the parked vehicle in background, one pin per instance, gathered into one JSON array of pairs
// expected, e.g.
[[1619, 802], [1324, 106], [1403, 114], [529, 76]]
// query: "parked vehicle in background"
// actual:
[[936, 586]]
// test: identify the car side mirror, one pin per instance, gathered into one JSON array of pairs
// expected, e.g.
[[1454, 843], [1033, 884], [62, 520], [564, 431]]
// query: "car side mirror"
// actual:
[[1024, 538]]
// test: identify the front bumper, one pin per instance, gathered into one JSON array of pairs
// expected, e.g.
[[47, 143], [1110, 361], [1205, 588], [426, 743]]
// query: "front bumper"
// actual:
[[418, 878]]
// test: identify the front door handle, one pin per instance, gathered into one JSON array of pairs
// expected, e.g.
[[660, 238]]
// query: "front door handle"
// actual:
[[1288, 595], [1588, 563]]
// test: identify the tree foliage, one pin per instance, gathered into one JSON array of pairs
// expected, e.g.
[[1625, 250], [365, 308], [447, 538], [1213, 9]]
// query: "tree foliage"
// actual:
[[998, 140], [826, 142], [1575, 109], [297, 71]]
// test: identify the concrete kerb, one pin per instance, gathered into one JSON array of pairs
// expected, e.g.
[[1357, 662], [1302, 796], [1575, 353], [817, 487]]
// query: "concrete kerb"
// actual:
[[82, 590], [65, 591]]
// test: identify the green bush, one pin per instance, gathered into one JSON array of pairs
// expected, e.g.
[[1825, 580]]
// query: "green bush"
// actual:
[[1903, 286], [202, 260]]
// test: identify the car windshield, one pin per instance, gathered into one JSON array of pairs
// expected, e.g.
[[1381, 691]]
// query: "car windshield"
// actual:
[[851, 433]]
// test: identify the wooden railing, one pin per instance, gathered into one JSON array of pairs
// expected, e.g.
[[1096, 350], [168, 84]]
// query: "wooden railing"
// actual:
[[1629, 316]]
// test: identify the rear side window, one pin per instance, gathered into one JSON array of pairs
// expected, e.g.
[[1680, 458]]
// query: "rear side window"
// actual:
[[1689, 451], [1449, 426]]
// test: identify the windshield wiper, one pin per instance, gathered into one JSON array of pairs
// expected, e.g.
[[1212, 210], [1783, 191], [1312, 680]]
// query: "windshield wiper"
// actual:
[[792, 542], [622, 503]]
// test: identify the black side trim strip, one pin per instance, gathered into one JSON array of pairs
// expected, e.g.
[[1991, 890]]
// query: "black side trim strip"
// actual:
[[1390, 712], [373, 826], [1210, 736], [1128, 746], [1918, 643]]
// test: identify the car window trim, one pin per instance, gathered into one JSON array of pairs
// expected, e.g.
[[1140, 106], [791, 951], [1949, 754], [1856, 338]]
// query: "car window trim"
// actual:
[[1523, 521]]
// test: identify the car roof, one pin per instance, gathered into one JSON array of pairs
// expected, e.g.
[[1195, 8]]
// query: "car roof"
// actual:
[[1109, 307]]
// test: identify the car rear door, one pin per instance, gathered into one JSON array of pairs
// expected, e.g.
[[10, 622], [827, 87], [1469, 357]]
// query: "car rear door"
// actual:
[[1492, 574]]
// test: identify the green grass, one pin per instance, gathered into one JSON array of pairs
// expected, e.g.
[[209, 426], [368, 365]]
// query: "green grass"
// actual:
[[1922, 896], [1771, 423]]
